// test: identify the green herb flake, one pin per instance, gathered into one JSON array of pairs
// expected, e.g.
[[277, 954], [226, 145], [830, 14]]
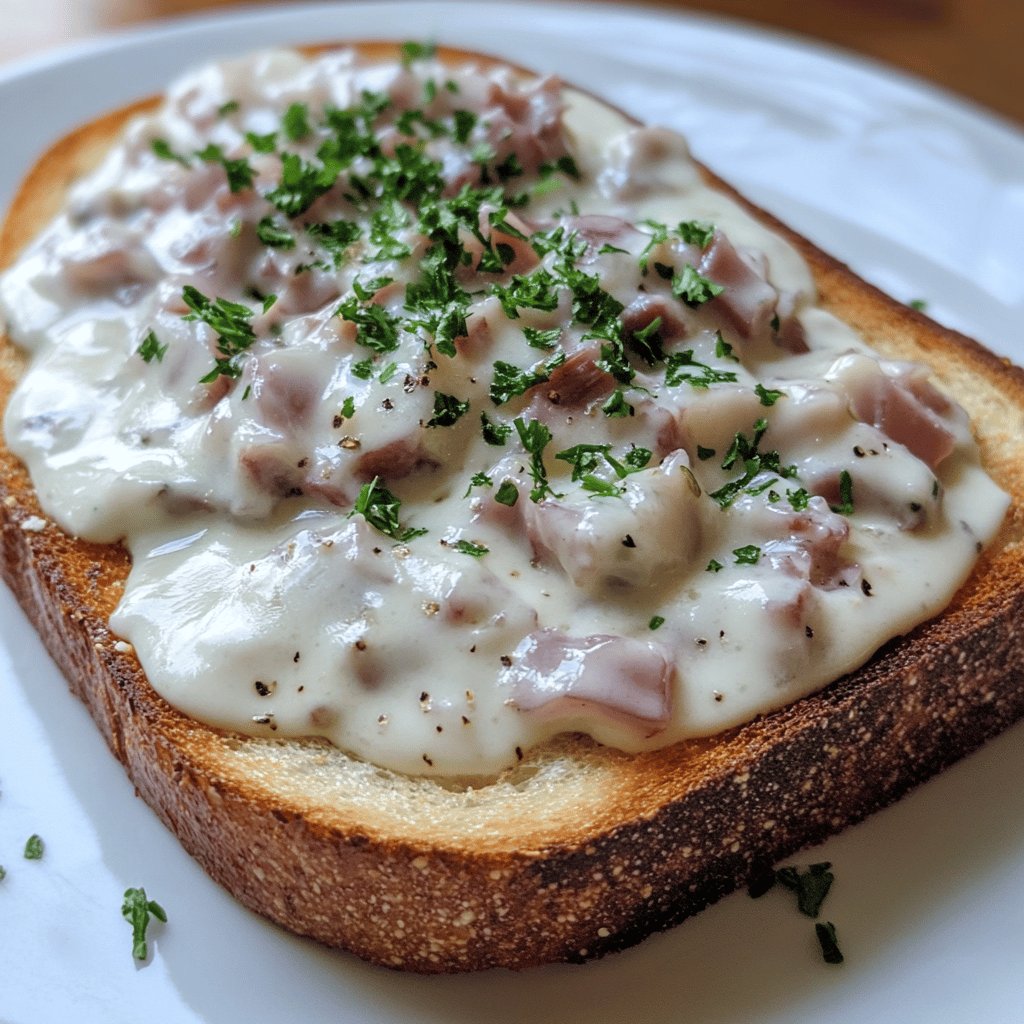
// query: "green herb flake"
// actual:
[[151, 348], [468, 547], [3, 872], [749, 554], [798, 499], [696, 232], [413, 51], [830, 951], [546, 340], [464, 121], [616, 405], [230, 320], [34, 848], [227, 108], [682, 367], [262, 143], [507, 494], [447, 410], [377, 329], [509, 381], [693, 288], [295, 121], [272, 234], [162, 149], [768, 396], [811, 886], [919, 304], [380, 508], [714, 566], [705, 453], [534, 437], [239, 173], [723, 349], [845, 506], [137, 909], [494, 433], [657, 621]]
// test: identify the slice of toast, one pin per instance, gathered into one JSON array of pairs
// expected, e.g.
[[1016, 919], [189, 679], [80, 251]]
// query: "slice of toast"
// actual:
[[582, 849]]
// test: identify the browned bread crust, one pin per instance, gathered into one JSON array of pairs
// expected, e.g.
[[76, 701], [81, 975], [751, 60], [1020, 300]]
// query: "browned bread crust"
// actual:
[[582, 850]]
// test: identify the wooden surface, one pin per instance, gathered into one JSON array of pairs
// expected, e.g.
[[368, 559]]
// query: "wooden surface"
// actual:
[[972, 47]]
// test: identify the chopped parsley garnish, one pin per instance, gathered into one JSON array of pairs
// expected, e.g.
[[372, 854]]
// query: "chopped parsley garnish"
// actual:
[[811, 886], [714, 566], [705, 453], [798, 499], [830, 951], [723, 349], [380, 508], [151, 348], [534, 437], [377, 328], [585, 459], [464, 122], [137, 909], [227, 108], [749, 554], [348, 408], [262, 143], [538, 290], [33, 848], [747, 452], [919, 304], [546, 340], [657, 621], [845, 506], [162, 148], [447, 410], [272, 234], [615, 405], [509, 381], [768, 396], [507, 494], [302, 183], [647, 342], [336, 237], [295, 122], [468, 547], [693, 288], [681, 366], [696, 232], [494, 432], [239, 173], [230, 320], [413, 51]]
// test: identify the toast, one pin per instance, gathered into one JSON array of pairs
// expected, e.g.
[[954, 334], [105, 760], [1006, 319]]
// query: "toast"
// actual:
[[580, 849]]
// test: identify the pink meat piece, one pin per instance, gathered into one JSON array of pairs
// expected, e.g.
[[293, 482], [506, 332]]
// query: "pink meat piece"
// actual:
[[395, 460], [807, 544], [645, 309], [285, 397], [748, 301], [906, 407], [579, 380], [599, 229], [552, 673]]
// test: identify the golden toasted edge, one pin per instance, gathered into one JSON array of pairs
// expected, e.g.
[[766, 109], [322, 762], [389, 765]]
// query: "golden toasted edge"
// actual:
[[404, 873]]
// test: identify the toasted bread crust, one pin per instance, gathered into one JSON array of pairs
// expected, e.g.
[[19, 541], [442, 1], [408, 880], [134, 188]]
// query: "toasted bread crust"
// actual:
[[582, 850]]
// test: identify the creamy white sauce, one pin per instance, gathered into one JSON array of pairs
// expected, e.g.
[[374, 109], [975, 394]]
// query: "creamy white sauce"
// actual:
[[258, 602]]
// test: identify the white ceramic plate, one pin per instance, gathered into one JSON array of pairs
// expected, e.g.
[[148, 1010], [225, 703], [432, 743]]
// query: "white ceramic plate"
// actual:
[[919, 192]]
